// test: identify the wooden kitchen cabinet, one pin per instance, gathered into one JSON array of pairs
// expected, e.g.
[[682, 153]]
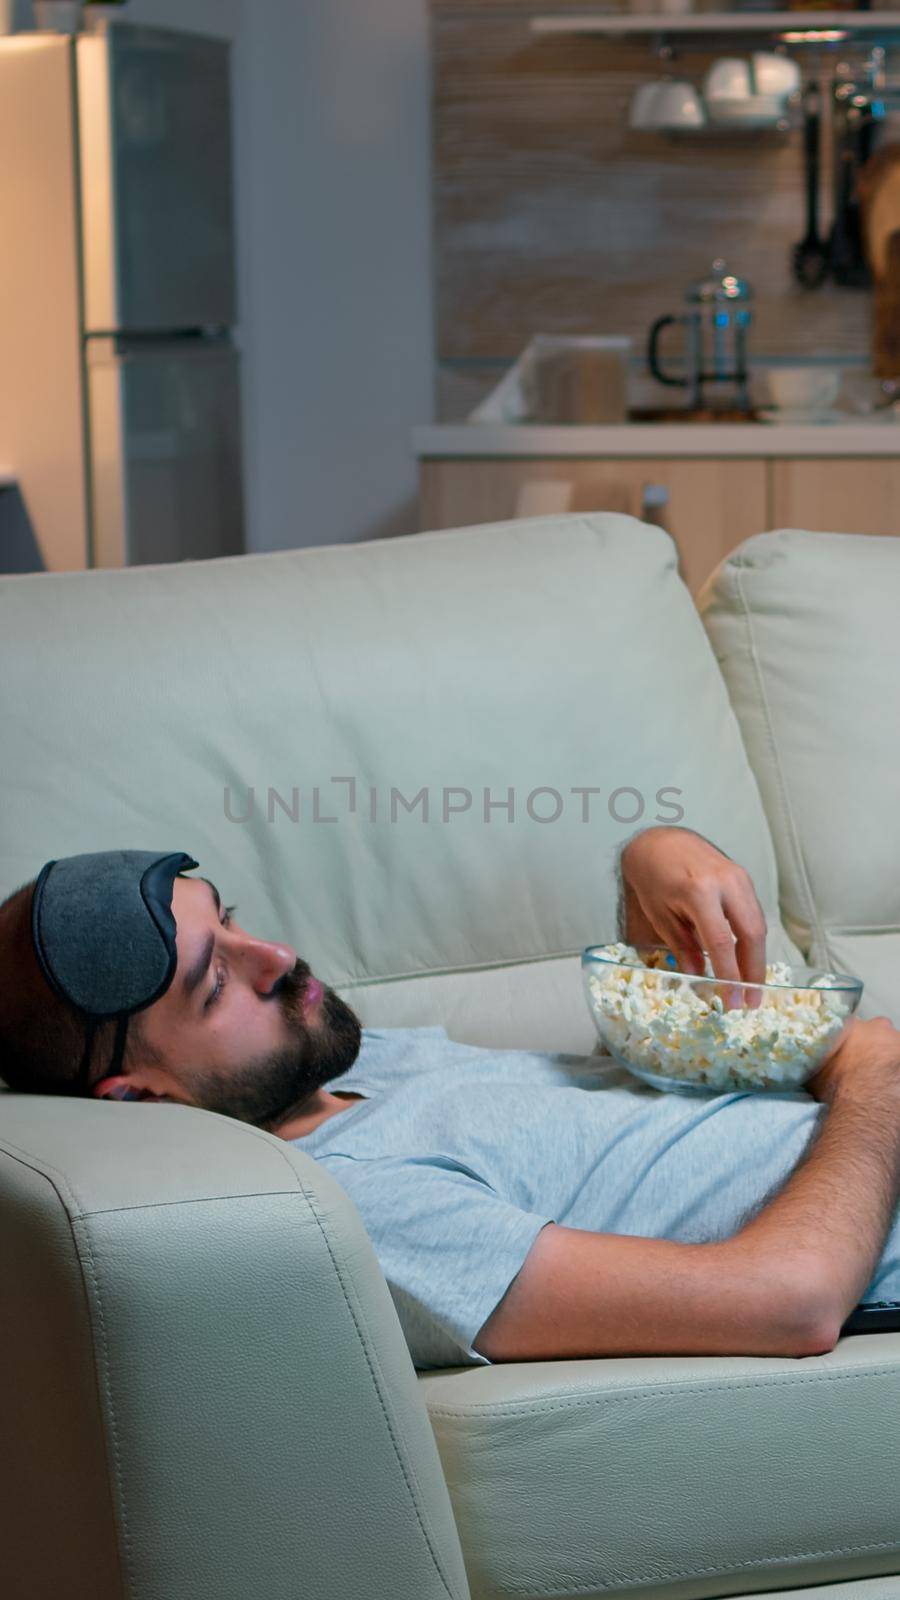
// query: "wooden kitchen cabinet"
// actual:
[[712, 504], [842, 495]]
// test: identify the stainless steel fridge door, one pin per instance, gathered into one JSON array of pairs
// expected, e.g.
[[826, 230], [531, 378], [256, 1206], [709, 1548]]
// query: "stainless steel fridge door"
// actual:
[[165, 449], [154, 114]]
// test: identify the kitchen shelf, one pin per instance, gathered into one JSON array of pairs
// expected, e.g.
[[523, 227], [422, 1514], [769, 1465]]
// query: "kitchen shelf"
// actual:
[[657, 441], [812, 23]]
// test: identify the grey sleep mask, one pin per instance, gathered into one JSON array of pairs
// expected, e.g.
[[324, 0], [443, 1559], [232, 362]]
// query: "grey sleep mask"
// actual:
[[104, 934]]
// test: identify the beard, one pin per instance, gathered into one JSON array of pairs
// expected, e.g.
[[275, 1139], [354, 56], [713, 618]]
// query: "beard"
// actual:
[[267, 1089]]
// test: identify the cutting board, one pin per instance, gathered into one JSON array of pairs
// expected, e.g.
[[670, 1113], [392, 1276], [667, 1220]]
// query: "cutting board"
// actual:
[[879, 196], [886, 313], [878, 186]]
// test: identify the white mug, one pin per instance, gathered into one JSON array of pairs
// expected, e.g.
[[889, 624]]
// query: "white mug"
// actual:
[[677, 105], [775, 74], [729, 78]]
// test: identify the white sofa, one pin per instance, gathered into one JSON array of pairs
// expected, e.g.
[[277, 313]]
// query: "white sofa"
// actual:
[[207, 1391]]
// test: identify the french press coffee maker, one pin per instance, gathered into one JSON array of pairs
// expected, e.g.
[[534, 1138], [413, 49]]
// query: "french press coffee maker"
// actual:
[[715, 325]]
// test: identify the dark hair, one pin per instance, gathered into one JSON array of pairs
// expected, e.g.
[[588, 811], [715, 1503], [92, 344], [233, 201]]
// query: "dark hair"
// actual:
[[42, 1036]]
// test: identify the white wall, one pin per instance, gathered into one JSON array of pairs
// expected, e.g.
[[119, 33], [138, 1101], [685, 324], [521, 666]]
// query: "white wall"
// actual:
[[334, 242]]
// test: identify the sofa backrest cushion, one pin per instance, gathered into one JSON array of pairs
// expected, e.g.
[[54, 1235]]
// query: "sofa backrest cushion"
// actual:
[[806, 628], [348, 688]]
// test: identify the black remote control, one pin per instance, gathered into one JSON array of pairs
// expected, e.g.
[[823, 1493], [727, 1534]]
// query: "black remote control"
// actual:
[[878, 1316]]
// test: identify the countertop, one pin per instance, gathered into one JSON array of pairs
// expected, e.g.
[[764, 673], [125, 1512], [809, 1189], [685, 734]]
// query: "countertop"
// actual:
[[658, 439]]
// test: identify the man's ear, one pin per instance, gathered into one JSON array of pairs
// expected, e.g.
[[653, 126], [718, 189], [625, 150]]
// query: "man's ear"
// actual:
[[120, 1088]]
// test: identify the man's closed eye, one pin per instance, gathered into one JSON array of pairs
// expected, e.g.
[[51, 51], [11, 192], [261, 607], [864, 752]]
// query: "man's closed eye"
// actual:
[[221, 974]]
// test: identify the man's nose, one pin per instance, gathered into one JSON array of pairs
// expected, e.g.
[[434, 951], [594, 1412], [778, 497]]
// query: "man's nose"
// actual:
[[265, 962]]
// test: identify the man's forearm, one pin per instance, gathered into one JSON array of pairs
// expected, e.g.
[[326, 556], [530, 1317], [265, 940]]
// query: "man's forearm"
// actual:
[[832, 1217]]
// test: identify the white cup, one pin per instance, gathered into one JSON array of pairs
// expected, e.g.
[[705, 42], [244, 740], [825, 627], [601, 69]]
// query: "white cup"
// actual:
[[775, 74], [728, 79], [677, 105], [803, 388]]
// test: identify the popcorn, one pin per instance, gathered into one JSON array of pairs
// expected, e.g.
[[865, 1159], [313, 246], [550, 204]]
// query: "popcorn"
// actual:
[[658, 1021]]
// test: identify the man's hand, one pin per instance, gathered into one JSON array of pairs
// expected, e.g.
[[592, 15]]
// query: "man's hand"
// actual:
[[678, 890]]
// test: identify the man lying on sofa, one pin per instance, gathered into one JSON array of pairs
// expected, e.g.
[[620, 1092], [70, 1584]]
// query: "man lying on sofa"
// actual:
[[523, 1205]]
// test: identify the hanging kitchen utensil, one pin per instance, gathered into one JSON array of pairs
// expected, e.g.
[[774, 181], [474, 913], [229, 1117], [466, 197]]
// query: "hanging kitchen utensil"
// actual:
[[854, 131], [810, 256]]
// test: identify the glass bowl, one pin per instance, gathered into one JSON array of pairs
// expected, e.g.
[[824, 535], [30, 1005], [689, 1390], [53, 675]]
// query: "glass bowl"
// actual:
[[706, 1035]]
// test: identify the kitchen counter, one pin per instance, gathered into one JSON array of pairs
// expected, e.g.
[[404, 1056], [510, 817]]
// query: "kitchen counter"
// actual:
[[659, 440], [711, 485]]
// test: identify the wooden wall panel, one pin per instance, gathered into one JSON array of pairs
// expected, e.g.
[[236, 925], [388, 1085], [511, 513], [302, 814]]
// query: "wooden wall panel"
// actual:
[[552, 216]]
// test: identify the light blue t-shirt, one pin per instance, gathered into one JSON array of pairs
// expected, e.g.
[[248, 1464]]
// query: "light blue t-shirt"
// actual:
[[459, 1156]]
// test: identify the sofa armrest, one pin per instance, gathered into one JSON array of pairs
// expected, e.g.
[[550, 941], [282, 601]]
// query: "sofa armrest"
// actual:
[[206, 1390]]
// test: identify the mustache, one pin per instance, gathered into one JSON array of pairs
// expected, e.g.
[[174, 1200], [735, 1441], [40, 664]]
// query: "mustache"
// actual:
[[290, 989]]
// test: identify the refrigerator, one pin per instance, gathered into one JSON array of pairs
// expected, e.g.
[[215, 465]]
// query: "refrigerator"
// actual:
[[119, 371]]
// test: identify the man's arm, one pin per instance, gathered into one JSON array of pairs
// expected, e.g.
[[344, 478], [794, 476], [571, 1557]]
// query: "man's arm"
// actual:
[[783, 1285], [838, 1205], [583, 1294]]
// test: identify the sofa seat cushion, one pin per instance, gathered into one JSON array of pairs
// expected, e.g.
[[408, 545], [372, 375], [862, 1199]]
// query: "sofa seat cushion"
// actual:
[[805, 629], [670, 1478]]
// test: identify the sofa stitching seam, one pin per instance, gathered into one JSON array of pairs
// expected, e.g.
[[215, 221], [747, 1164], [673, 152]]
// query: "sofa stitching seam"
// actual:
[[189, 1200], [74, 1216], [693, 1572], [505, 963], [637, 1392], [103, 1362], [80, 1209], [77, 1212], [64, 1185], [378, 1381]]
